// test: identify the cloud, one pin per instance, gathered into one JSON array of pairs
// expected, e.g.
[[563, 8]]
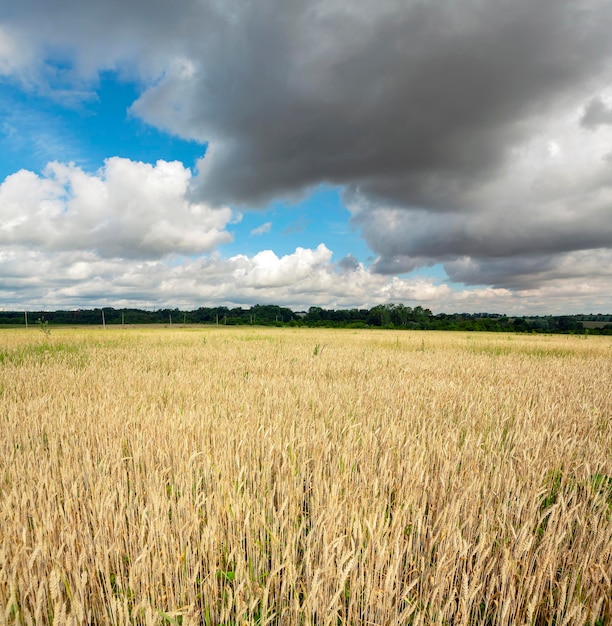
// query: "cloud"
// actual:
[[298, 226], [471, 133], [266, 270], [407, 102], [125, 210], [349, 263], [596, 113], [43, 279], [262, 230], [551, 203], [11, 57]]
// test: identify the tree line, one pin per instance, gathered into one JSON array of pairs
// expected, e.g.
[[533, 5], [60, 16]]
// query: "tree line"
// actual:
[[396, 316]]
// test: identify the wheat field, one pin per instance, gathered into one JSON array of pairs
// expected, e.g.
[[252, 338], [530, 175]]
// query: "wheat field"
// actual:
[[295, 476]]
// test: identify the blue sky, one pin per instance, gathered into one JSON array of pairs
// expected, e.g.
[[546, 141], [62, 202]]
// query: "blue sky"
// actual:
[[309, 154], [84, 129]]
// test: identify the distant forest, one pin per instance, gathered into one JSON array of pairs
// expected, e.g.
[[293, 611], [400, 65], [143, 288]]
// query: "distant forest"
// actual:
[[395, 316]]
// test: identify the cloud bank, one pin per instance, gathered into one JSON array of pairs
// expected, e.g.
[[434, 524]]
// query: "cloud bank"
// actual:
[[33, 280]]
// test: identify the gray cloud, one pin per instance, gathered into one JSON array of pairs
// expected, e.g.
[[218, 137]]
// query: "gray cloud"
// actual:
[[596, 113], [348, 264], [533, 271], [458, 129], [411, 103]]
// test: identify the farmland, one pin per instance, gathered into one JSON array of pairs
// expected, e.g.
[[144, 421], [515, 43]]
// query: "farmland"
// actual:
[[304, 476]]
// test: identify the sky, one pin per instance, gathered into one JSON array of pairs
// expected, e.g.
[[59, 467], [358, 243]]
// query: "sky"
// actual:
[[452, 154]]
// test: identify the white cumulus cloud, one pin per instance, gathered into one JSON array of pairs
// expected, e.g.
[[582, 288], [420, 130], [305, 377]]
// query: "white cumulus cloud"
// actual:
[[126, 209]]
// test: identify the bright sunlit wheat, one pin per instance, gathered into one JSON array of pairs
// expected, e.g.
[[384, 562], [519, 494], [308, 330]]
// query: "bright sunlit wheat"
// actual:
[[219, 476]]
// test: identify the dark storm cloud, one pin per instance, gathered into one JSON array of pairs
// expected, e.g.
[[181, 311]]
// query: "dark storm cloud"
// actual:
[[420, 110], [408, 102]]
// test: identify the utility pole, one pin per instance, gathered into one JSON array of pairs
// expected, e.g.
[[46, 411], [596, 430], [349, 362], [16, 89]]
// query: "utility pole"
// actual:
[[26, 318]]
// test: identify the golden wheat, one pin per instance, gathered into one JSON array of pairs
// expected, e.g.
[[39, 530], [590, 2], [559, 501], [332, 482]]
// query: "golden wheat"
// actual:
[[243, 476]]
